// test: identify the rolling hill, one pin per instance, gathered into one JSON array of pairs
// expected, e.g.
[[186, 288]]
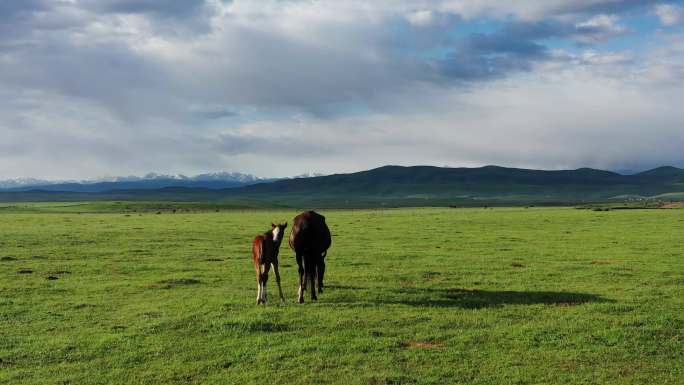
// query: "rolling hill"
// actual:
[[427, 185], [391, 186]]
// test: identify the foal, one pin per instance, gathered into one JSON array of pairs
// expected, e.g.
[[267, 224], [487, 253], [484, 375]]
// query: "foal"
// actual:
[[265, 250]]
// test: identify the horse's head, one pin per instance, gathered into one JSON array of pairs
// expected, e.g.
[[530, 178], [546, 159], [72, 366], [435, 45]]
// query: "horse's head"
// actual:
[[278, 231]]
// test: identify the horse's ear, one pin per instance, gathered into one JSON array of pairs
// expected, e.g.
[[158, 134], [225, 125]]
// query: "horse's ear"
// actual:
[[285, 225], [273, 226]]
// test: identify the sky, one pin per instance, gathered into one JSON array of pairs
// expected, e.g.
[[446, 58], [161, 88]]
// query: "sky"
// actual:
[[95, 88]]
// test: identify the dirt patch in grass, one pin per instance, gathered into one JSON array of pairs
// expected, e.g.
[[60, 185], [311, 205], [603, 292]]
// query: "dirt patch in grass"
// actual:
[[171, 283], [422, 344], [214, 260], [517, 265], [7, 259], [25, 270], [603, 262], [51, 278], [390, 381], [673, 205]]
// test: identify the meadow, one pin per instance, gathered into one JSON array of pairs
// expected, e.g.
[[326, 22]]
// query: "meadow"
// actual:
[[112, 294]]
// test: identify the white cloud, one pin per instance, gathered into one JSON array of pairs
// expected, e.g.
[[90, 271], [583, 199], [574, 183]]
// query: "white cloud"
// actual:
[[420, 18], [555, 119], [599, 28], [273, 87], [669, 14]]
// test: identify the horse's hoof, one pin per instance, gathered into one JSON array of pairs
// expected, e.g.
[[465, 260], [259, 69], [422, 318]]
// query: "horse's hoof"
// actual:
[[301, 300]]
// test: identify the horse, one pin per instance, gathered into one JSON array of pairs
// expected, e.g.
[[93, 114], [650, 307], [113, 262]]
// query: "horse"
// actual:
[[265, 248], [310, 240]]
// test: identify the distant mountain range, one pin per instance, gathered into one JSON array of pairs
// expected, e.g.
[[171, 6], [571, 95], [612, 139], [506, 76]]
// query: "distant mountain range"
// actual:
[[387, 186], [219, 180]]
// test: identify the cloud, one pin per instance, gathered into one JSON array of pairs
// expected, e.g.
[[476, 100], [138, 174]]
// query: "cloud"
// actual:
[[562, 117], [535, 10], [421, 18], [11, 10], [272, 145], [309, 56], [669, 14], [92, 88], [177, 8], [598, 28]]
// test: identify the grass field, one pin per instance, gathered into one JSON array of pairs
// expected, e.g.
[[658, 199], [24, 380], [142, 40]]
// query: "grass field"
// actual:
[[414, 296]]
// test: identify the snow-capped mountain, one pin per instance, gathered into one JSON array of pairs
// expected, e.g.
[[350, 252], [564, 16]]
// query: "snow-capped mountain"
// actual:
[[22, 182], [152, 180]]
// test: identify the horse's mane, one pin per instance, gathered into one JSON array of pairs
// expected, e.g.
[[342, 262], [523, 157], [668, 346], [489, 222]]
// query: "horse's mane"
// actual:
[[268, 234]]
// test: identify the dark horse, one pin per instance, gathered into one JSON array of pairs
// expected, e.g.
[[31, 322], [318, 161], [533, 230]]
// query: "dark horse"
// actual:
[[265, 250], [310, 240]]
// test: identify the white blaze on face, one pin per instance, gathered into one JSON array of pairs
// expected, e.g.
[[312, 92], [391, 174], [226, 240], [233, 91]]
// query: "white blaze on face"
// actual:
[[276, 233]]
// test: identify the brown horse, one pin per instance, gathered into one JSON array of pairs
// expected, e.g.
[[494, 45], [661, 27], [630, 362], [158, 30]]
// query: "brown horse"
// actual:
[[310, 240], [265, 250]]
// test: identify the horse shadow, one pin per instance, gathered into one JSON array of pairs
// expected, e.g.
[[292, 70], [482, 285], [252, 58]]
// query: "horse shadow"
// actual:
[[476, 299], [468, 299]]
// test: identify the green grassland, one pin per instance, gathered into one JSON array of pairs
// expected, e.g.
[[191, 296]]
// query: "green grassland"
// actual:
[[120, 295]]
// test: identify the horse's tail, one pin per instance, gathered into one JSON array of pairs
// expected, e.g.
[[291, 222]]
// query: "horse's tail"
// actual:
[[258, 249]]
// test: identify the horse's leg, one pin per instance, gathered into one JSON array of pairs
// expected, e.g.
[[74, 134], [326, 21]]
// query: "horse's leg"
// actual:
[[257, 250], [310, 268], [258, 277], [264, 279], [302, 279], [277, 275], [320, 271]]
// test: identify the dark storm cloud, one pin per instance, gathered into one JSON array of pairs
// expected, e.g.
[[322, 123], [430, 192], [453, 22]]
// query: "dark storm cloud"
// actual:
[[515, 47], [482, 56]]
